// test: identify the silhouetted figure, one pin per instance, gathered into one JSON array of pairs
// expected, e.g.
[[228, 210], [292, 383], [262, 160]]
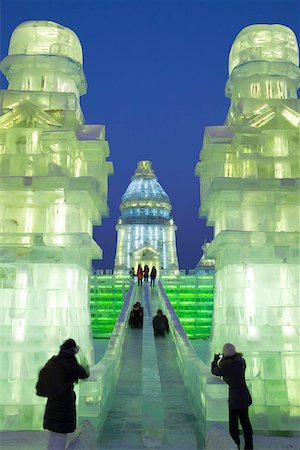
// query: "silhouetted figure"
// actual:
[[160, 324], [232, 368], [140, 275], [152, 276], [131, 272], [136, 317], [146, 273], [56, 381]]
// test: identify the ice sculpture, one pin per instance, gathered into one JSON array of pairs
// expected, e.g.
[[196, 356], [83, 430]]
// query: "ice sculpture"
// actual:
[[146, 232], [250, 194], [53, 188]]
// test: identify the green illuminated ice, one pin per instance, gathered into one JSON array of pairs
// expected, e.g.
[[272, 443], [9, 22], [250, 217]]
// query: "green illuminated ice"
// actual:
[[249, 173], [53, 188]]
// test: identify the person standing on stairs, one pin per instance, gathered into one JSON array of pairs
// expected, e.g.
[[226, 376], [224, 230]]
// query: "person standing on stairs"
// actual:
[[146, 273], [152, 276], [140, 275]]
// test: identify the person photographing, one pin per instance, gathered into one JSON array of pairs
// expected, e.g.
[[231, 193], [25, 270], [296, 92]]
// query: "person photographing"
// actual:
[[56, 382], [231, 366]]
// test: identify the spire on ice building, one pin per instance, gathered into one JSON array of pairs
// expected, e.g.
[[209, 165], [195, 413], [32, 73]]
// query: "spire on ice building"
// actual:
[[146, 232]]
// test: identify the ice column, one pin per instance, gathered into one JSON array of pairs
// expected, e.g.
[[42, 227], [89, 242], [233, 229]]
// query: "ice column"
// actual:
[[53, 188], [250, 194]]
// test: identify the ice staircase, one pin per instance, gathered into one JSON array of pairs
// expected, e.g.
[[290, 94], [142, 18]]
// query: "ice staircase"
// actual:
[[192, 298], [107, 294], [151, 393]]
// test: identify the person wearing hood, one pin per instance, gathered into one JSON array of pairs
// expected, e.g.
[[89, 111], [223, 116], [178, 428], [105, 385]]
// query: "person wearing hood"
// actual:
[[231, 366], [136, 317], [60, 412]]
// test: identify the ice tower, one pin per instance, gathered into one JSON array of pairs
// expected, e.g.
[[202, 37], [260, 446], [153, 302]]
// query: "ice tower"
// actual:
[[146, 232], [250, 194], [53, 188]]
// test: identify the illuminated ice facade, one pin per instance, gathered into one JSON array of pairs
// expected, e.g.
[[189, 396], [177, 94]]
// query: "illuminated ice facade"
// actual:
[[146, 232], [53, 188], [250, 194]]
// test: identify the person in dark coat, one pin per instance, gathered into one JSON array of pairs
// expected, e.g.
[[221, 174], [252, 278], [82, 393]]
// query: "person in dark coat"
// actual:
[[160, 324], [60, 412], [131, 273], [232, 367], [136, 317], [152, 276], [146, 273]]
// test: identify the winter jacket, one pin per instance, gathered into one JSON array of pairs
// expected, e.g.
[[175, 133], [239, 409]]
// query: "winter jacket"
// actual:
[[160, 324], [60, 413], [136, 317], [140, 274], [232, 369], [153, 273]]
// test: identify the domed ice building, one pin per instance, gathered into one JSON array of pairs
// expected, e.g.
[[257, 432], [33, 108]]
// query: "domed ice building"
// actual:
[[146, 232]]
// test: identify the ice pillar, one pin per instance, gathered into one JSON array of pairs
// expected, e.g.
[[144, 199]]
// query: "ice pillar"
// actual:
[[250, 194], [53, 188]]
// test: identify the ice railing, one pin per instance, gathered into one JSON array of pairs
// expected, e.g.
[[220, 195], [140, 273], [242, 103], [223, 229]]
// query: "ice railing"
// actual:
[[208, 393], [96, 393]]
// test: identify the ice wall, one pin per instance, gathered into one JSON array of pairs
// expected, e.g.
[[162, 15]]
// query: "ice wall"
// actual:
[[53, 188], [250, 194]]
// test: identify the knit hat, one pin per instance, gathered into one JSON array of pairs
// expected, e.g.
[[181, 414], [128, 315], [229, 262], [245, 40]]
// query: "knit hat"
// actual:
[[70, 346], [229, 349]]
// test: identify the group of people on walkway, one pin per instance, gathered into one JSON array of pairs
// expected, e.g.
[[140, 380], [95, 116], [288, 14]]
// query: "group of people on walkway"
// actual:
[[57, 378], [143, 274]]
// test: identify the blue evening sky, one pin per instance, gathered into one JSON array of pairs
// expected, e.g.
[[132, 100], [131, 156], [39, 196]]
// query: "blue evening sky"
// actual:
[[156, 71]]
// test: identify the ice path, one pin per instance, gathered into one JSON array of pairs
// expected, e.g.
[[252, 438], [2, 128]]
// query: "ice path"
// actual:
[[138, 406], [181, 425]]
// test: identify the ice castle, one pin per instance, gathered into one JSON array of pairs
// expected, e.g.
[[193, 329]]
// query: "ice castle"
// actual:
[[146, 232], [53, 189], [249, 173]]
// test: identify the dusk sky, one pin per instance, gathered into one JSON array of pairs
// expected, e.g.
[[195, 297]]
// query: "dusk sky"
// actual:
[[156, 72]]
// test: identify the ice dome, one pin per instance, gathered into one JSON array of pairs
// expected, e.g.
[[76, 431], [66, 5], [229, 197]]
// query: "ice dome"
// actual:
[[41, 37], [264, 43], [144, 195]]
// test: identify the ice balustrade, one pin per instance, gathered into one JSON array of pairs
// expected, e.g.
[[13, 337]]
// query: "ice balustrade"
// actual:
[[53, 189], [208, 394], [96, 393], [249, 191]]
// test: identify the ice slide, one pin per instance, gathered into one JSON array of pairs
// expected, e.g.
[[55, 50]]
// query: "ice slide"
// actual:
[[148, 392]]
